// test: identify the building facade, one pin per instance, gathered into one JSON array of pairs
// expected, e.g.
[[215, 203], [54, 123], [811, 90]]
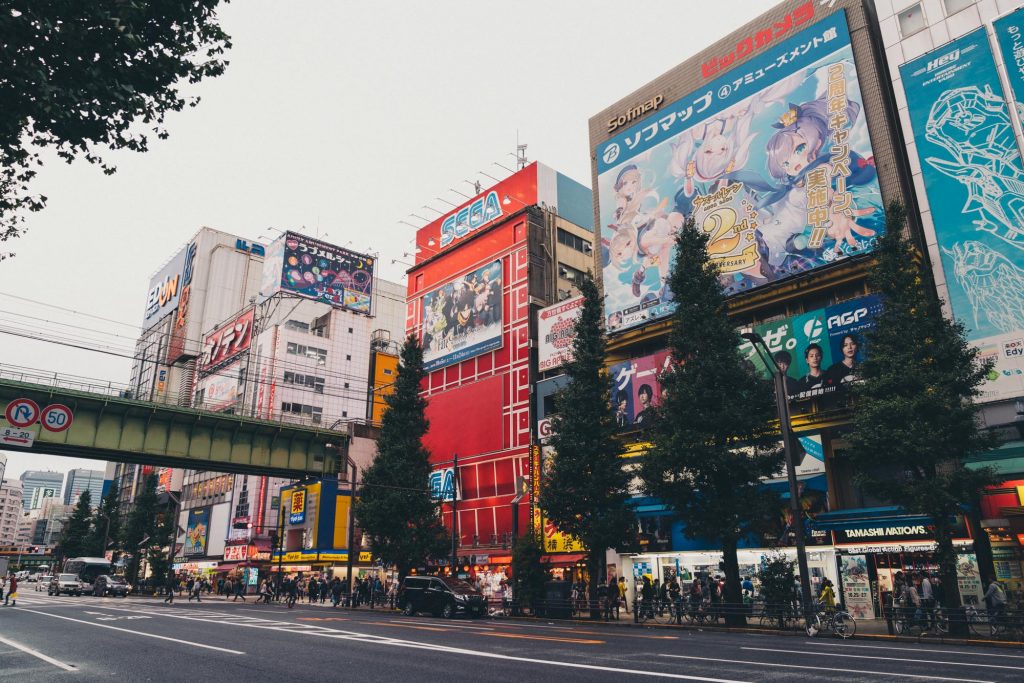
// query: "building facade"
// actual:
[[10, 511], [79, 480], [949, 59], [36, 486], [481, 273]]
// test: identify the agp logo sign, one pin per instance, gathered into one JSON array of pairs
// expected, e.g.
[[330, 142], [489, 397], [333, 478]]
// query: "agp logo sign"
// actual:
[[847, 318]]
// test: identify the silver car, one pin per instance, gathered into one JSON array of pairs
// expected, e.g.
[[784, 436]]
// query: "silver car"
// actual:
[[65, 583]]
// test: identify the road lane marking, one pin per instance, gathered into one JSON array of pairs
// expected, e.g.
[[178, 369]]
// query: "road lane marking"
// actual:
[[887, 659], [431, 623], [419, 628], [829, 669], [555, 639], [36, 653], [323, 619], [138, 633], [918, 649]]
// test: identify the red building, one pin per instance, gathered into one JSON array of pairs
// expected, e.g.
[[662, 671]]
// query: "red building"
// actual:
[[480, 274]]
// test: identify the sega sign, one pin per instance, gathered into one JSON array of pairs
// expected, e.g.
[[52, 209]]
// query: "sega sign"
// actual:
[[442, 484], [469, 218]]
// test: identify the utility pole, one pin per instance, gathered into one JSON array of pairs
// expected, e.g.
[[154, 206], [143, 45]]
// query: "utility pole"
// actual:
[[352, 550], [455, 516]]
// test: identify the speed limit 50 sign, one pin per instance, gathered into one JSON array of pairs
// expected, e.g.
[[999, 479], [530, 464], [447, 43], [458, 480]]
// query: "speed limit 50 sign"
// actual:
[[56, 417]]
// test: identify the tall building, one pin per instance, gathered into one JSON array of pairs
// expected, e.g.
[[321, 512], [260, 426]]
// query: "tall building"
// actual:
[[958, 82], [481, 274], [10, 511], [79, 480], [778, 141], [36, 486]]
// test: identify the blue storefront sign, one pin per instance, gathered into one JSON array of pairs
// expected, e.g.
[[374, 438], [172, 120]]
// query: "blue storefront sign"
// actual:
[[1009, 32]]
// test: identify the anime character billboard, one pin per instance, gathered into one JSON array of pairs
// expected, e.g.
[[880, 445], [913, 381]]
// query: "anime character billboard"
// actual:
[[197, 531], [772, 160], [463, 318], [818, 351], [974, 182], [636, 389], [317, 270]]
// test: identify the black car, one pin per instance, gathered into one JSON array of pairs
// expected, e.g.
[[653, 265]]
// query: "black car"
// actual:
[[441, 596], [105, 585]]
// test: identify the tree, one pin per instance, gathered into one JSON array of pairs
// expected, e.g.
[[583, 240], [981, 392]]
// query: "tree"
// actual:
[[714, 439], [107, 525], [778, 586], [585, 487], [395, 509], [141, 528], [528, 574], [914, 419], [80, 76], [74, 541], [163, 539]]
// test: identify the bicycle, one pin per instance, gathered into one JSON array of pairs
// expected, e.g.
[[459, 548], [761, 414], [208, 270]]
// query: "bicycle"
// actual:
[[839, 622]]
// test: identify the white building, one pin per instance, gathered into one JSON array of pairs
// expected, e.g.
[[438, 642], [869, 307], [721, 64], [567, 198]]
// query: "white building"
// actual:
[[10, 511]]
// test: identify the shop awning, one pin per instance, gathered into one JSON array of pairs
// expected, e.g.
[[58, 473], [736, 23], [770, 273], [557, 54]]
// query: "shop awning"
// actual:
[[228, 566], [1007, 459], [568, 558], [866, 518]]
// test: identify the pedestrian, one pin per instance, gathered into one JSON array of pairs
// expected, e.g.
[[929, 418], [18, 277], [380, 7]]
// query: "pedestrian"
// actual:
[[623, 594], [325, 590], [378, 590], [612, 596], [220, 585], [12, 591], [312, 589], [293, 592], [170, 585], [3, 585], [602, 600], [197, 587], [995, 600], [239, 590], [828, 595], [225, 588], [927, 598], [913, 600], [190, 586]]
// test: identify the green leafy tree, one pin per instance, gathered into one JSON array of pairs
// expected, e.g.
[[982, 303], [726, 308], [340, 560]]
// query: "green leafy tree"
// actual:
[[528, 575], [80, 77], [74, 541], [915, 420], [777, 581], [156, 555], [141, 528], [395, 509], [715, 437], [585, 488], [110, 509]]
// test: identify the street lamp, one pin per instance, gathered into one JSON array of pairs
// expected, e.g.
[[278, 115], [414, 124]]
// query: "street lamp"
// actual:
[[782, 400]]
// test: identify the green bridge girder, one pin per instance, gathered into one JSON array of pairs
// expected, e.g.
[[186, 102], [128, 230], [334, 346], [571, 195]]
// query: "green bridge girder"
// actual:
[[126, 430]]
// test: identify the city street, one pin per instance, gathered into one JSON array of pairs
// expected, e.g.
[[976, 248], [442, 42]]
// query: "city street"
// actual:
[[78, 639]]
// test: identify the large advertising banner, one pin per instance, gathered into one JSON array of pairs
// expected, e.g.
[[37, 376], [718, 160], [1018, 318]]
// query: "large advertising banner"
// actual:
[[463, 318], [773, 160], [972, 173], [636, 389], [197, 531], [227, 342], [1009, 32], [556, 328], [317, 270], [820, 350]]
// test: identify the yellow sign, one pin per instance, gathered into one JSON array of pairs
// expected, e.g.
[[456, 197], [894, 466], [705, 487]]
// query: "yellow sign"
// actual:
[[298, 502], [292, 557]]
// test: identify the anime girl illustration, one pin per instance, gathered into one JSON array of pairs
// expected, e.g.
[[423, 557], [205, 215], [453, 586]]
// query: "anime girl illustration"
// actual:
[[800, 145]]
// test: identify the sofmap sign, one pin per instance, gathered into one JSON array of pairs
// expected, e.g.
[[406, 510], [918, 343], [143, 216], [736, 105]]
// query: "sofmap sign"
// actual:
[[772, 160], [974, 181]]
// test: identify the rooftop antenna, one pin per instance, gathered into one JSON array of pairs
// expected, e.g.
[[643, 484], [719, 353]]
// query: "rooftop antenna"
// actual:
[[521, 161]]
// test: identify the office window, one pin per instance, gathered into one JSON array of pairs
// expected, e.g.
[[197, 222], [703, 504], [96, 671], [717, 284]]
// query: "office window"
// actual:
[[569, 273], [346, 385], [348, 357], [297, 325], [911, 20], [574, 242], [954, 6], [350, 330], [311, 352]]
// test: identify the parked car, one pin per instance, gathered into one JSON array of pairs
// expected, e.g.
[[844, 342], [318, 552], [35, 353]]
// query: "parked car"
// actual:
[[105, 585], [441, 596], [44, 581], [65, 583]]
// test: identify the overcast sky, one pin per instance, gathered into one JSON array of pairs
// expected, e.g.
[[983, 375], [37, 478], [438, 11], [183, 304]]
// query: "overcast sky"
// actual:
[[345, 118]]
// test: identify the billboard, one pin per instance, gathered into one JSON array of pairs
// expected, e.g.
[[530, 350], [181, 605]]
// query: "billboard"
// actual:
[[463, 318], [317, 270], [166, 286], [556, 328], [635, 389], [197, 531], [819, 350], [227, 342], [1009, 32], [772, 160], [973, 177], [220, 390]]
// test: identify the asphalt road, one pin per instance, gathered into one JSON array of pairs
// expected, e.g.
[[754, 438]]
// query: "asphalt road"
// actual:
[[141, 639]]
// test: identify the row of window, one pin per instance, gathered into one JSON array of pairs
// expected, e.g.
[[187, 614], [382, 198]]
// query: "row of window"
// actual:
[[320, 355], [310, 381], [569, 273], [574, 242], [316, 413], [210, 487]]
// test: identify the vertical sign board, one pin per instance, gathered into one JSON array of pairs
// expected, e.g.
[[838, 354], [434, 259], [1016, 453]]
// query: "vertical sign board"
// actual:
[[1009, 32], [974, 180], [197, 531], [556, 330], [772, 160]]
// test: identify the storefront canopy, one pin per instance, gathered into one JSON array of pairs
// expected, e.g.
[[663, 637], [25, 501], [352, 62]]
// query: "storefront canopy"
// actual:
[[866, 518], [1008, 459], [566, 559]]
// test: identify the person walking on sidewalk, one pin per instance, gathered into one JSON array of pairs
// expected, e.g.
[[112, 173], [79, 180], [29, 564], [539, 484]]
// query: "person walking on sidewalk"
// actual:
[[239, 590]]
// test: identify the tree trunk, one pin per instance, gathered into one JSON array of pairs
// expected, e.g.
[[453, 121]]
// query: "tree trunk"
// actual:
[[982, 546], [945, 555], [733, 594], [594, 568]]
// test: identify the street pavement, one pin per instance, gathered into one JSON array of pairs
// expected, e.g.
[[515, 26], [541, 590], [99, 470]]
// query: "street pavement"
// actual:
[[140, 639]]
